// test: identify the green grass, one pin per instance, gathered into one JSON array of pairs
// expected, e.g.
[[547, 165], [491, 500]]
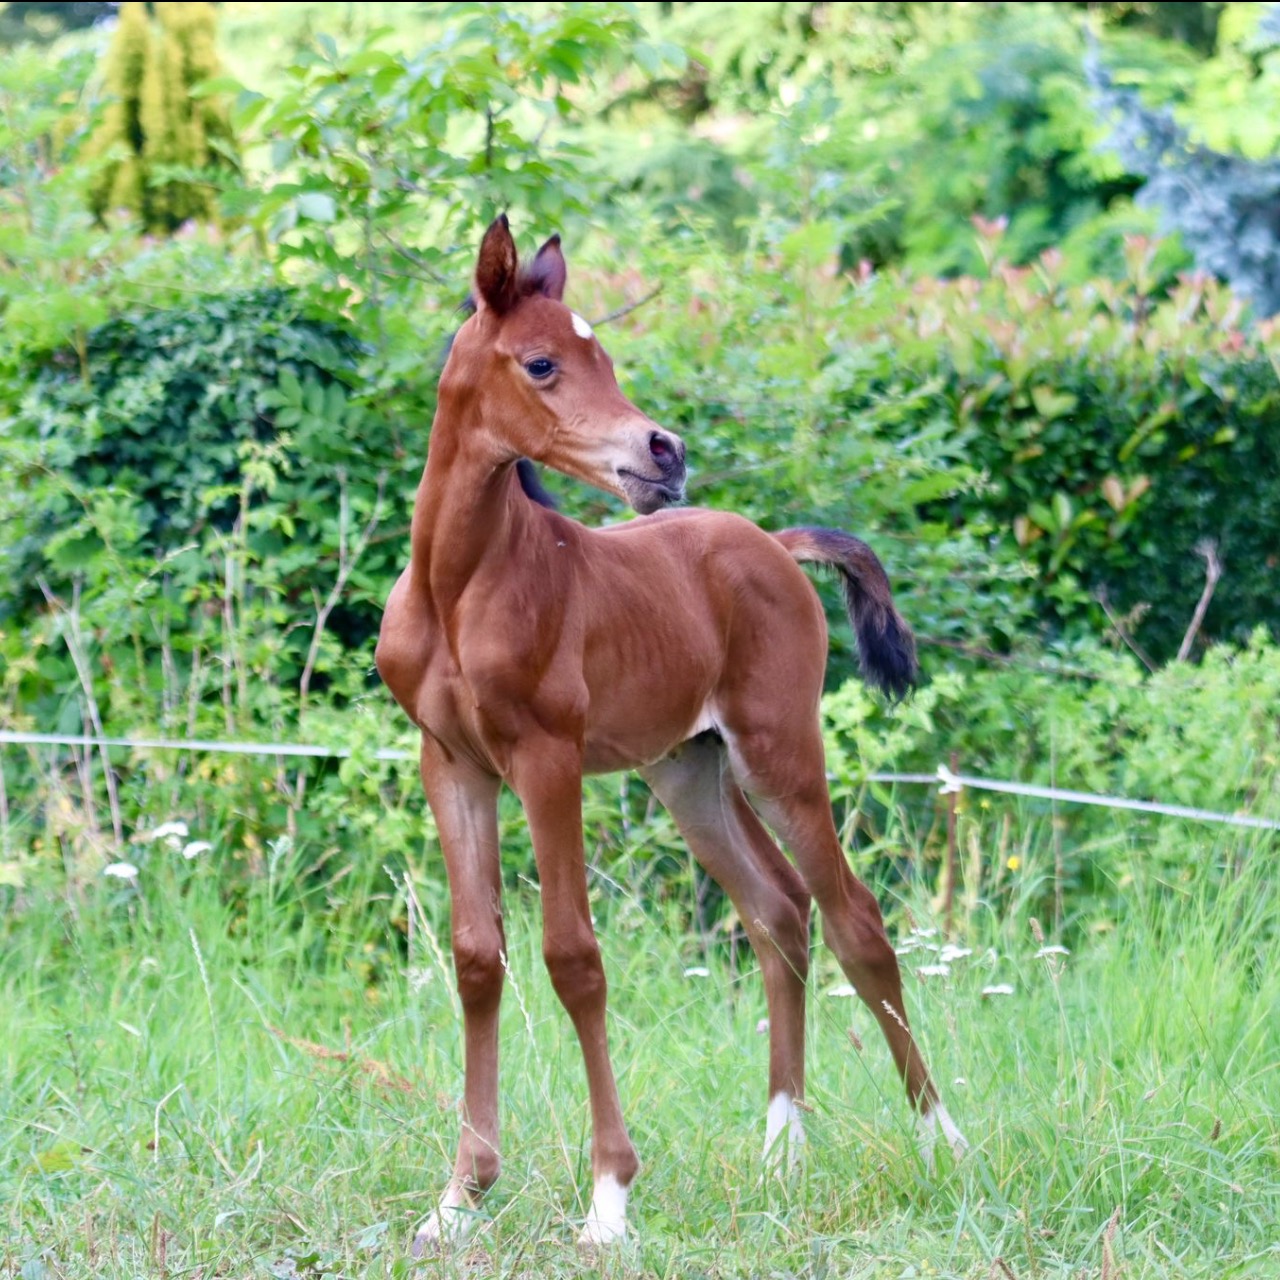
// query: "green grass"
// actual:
[[155, 1125]]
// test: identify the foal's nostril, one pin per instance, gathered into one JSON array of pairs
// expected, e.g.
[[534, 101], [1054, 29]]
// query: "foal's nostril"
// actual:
[[664, 450]]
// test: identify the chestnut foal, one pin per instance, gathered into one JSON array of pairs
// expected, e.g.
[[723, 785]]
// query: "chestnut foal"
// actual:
[[688, 645]]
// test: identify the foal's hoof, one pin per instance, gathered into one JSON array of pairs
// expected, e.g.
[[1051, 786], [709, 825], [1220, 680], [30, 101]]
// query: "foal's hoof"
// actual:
[[426, 1245], [446, 1228], [935, 1119], [599, 1235]]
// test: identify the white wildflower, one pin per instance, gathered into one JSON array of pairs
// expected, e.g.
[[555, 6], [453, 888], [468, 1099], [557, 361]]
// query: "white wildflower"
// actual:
[[999, 989], [934, 970], [194, 848], [419, 978], [121, 871], [168, 831], [843, 991], [762, 1027], [697, 971], [1051, 950], [916, 942], [950, 953]]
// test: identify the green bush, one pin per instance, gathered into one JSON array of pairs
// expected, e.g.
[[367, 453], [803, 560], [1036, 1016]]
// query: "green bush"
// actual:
[[160, 145], [1115, 431], [177, 405], [1081, 719]]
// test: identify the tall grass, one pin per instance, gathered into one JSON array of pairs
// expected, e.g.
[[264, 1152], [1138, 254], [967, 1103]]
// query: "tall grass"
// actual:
[[193, 1083]]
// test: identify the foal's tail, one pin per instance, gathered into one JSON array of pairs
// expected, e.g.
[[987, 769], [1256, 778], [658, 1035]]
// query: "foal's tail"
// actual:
[[886, 647]]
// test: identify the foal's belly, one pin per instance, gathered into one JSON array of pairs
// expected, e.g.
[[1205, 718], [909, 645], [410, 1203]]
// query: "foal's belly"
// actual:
[[631, 736]]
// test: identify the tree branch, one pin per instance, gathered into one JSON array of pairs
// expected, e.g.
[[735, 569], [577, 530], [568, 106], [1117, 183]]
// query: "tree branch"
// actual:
[[1131, 644], [629, 308], [74, 638], [1212, 572]]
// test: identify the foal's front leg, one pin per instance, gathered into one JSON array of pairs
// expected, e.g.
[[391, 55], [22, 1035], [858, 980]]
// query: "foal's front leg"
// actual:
[[547, 776], [464, 802]]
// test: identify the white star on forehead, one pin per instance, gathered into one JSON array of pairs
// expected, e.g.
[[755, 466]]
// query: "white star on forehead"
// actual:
[[581, 327]]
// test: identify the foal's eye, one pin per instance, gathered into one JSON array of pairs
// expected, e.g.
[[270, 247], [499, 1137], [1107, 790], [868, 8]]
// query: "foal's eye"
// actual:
[[540, 368]]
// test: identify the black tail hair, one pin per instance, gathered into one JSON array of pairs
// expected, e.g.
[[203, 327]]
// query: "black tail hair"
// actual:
[[886, 647]]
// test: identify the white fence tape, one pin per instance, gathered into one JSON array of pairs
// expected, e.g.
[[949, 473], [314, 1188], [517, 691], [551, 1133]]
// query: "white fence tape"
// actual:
[[205, 745], [958, 781], [944, 779]]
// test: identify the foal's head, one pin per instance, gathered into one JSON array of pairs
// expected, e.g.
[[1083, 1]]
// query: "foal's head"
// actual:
[[545, 387]]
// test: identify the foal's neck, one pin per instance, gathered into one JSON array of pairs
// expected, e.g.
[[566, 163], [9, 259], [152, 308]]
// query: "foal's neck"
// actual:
[[470, 508]]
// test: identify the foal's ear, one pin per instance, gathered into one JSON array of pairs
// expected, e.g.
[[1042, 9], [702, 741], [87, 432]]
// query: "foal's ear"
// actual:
[[497, 266], [547, 273]]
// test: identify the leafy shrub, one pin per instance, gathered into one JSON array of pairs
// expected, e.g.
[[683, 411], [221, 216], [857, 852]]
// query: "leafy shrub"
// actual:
[[1223, 206], [388, 165], [1083, 719], [176, 404], [921, 117], [1114, 432]]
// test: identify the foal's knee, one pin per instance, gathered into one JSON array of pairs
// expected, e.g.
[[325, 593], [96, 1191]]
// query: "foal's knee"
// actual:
[[576, 971], [479, 970]]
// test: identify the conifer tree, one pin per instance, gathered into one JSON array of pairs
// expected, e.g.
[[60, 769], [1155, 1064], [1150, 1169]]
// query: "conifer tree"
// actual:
[[119, 185], [153, 125]]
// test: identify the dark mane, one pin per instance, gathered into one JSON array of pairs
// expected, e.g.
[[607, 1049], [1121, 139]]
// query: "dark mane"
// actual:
[[531, 483]]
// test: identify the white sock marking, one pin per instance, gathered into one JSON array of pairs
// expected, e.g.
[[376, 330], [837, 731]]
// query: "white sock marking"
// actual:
[[450, 1223], [783, 1116], [938, 1117], [607, 1217], [581, 327]]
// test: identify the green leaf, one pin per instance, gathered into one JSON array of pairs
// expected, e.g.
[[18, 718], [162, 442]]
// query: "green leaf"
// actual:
[[371, 60], [927, 488], [290, 387], [1062, 509], [335, 402], [316, 206], [313, 398], [1053, 404]]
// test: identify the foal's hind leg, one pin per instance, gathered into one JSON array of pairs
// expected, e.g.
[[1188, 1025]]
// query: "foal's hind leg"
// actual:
[[697, 787], [785, 773]]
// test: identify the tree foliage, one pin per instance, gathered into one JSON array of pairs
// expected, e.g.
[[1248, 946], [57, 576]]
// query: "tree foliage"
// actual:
[[158, 139], [41, 21], [1225, 207]]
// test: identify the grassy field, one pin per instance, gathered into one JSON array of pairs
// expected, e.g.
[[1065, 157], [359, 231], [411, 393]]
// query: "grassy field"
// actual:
[[266, 1086]]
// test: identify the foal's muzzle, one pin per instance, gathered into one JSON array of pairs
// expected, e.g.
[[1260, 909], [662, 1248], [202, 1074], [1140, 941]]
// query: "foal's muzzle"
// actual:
[[660, 483]]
